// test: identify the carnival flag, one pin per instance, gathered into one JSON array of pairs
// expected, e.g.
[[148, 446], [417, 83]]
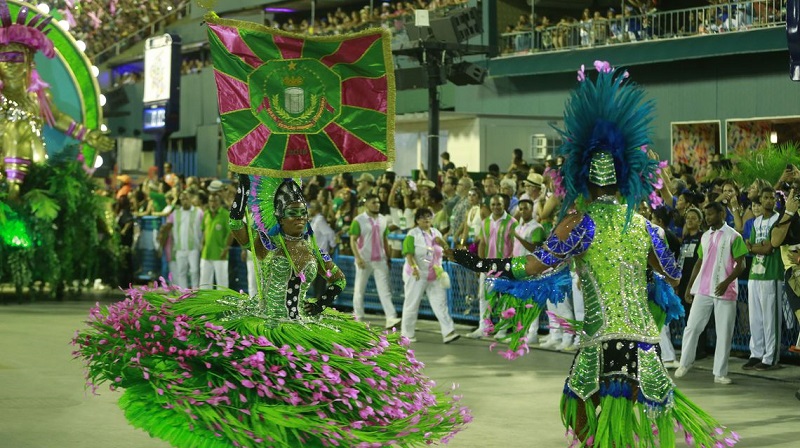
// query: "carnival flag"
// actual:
[[296, 105]]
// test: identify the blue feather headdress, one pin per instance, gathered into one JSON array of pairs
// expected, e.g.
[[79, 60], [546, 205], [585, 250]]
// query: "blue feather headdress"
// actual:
[[608, 115]]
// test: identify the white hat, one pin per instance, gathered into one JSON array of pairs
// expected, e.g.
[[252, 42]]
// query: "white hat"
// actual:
[[534, 179], [214, 186]]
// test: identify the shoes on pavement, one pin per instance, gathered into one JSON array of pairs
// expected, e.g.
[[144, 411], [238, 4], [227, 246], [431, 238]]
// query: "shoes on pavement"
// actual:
[[477, 334], [570, 348], [451, 337], [794, 349], [563, 346], [392, 322], [533, 338], [751, 364], [681, 372], [550, 344], [762, 367], [722, 380], [500, 335], [672, 364]]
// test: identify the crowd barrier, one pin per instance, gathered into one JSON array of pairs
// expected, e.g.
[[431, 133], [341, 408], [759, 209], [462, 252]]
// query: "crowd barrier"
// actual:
[[462, 297]]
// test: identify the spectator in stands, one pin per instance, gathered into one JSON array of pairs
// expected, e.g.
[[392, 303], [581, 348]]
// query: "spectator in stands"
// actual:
[[733, 211], [125, 186], [441, 219], [400, 217], [533, 191], [422, 274], [345, 209], [369, 243], [714, 287], [764, 288], [383, 191], [753, 193], [365, 184], [447, 165], [450, 197], [786, 235], [508, 187], [459, 212], [496, 240]]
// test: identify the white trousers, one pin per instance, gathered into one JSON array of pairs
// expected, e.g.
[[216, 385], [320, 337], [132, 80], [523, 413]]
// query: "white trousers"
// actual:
[[483, 305], [764, 300], [209, 269], [185, 265], [565, 309], [437, 297], [724, 318], [380, 271], [667, 349]]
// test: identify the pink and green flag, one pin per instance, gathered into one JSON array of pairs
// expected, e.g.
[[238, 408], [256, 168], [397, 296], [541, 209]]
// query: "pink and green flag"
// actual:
[[296, 105]]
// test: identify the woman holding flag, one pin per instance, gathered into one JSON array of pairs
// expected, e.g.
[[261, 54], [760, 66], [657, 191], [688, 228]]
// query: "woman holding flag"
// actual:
[[217, 368]]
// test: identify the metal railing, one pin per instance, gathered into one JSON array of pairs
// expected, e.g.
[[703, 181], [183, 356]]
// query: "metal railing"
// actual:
[[157, 26], [616, 28], [462, 297]]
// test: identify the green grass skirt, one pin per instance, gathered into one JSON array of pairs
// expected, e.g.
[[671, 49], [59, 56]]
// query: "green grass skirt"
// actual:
[[198, 372]]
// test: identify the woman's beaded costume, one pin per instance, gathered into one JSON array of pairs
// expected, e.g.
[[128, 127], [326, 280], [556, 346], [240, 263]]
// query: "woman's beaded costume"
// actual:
[[618, 393]]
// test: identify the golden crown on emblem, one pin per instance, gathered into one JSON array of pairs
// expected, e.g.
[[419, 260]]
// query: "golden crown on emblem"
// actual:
[[293, 81]]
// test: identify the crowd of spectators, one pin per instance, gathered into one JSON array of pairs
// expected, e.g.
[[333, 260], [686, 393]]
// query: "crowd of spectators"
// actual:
[[100, 23], [641, 20]]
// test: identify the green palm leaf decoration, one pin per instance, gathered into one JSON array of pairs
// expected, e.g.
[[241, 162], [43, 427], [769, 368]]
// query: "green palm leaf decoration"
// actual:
[[42, 205], [768, 162]]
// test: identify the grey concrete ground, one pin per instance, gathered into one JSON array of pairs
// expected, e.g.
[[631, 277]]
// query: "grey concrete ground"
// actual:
[[43, 403]]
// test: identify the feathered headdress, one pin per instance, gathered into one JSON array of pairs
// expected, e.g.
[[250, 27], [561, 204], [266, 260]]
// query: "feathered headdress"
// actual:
[[268, 198], [31, 34], [606, 134]]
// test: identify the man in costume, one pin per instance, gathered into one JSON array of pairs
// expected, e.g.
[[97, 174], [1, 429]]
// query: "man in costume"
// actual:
[[369, 241], [25, 103], [618, 393], [714, 287]]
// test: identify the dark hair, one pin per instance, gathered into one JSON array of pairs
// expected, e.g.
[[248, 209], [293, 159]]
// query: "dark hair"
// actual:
[[494, 168], [525, 201], [320, 180], [716, 206], [445, 155], [422, 211], [517, 154], [347, 178], [662, 214], [371, 196], [435, 195], [766, 189]]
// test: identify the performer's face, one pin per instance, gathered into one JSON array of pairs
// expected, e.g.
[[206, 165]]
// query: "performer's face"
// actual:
[[295, 217]]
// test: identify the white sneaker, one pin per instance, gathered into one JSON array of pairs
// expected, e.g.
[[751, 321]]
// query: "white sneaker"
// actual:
[[722, 380], [451, 337], [563, 346], [549, 344], [477, 334], [392, 322], [681, 372], [500, 335], [671, 364]]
